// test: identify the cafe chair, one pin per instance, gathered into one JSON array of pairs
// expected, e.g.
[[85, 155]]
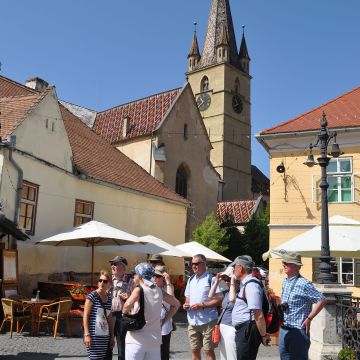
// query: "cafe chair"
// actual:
[[54, 312], [14, 311]]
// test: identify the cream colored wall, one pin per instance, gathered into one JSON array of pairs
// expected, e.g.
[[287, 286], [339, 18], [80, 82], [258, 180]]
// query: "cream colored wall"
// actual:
[[229, 132], [292, 203], [45, 142], [139, 150]]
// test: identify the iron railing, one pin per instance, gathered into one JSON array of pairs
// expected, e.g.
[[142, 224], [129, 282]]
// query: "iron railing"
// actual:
[[348, 321]]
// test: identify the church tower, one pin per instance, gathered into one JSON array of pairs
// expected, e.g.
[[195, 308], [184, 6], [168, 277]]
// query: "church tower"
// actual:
[[220, 80]]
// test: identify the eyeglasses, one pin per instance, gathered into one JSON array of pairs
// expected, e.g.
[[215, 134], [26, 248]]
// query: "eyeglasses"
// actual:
[[197, 264], [158, 276], [104, 281]]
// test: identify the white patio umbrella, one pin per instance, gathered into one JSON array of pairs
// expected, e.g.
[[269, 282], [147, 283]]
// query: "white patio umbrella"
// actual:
[[154, 245], [344, 236], [90, 234], [192, 248]]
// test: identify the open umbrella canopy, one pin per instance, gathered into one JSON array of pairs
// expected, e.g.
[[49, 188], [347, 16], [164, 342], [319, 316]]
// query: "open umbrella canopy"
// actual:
[[344, 236], [192, 248], [154, 245], [90, 234]]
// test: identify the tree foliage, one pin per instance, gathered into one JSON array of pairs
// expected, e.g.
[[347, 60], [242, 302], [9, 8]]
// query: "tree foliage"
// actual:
[[211, 235], [253, 241]]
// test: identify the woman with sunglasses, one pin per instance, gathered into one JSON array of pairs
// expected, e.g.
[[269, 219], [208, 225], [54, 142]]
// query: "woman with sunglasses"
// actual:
[[98, 325], [227, 346]]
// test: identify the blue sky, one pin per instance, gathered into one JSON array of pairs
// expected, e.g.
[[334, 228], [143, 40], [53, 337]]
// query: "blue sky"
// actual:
[[100, 54]]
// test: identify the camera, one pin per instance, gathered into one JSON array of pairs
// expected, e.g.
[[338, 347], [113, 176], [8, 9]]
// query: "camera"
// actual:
[[283, 307]]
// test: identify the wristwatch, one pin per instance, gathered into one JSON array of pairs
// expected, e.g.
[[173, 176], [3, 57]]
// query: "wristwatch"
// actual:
[[87, 334], [203, 305]]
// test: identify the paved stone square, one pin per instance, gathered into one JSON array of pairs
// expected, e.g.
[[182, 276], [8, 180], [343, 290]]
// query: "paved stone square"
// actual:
[[44, 347]]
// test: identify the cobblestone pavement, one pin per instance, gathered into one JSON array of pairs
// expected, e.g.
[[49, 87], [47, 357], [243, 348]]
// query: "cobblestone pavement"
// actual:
[[26, 347]]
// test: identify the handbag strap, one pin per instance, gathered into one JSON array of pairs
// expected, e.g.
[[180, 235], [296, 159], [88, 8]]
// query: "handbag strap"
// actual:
[[222, 313], [103, 306], [142, 301]]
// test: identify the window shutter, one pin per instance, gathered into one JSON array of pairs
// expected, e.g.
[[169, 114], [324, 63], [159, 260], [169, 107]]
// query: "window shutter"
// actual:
[[356, 186], [357, 272], [316, 188], [316, 269]]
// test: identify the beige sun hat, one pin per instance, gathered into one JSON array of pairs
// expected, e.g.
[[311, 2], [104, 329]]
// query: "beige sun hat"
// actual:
[[292, 258]]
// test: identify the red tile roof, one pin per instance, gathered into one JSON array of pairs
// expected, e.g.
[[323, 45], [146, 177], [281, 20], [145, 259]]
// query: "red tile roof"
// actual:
[[240, 211], [99, 160], [13, 111], [11, 88], [144, 116], [341, 112]]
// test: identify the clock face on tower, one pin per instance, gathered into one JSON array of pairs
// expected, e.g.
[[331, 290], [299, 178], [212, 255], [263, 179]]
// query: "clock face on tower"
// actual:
[[203, 101], [237, 104]]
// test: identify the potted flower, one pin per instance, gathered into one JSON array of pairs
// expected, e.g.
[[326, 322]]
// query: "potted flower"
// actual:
[[78, 292], [347, 354]]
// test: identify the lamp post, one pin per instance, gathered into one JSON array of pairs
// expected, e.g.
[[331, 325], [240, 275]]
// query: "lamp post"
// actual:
[[324, 137]]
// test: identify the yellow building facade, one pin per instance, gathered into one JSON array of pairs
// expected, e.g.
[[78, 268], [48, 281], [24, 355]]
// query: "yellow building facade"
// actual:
[[295, 196]]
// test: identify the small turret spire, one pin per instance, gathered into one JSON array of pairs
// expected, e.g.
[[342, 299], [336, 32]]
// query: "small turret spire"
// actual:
[[243, 53], [194, 54]]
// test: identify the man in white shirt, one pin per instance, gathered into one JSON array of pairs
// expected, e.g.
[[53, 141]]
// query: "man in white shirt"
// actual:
[[120, 291]]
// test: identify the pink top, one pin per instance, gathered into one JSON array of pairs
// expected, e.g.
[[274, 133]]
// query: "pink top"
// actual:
[[150, 334]]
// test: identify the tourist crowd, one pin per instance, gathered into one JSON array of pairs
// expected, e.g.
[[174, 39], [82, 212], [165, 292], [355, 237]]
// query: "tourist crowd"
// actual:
[[136, 312]]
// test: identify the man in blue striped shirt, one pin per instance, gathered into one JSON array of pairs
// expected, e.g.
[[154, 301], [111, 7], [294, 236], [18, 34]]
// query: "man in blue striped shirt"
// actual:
[[297, 299]]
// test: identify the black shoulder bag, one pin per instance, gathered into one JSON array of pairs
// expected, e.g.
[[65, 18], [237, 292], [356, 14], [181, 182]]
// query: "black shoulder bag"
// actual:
[[131, 322]]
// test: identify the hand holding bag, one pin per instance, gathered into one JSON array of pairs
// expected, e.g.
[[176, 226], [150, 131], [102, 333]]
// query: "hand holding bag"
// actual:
[[131, 322]]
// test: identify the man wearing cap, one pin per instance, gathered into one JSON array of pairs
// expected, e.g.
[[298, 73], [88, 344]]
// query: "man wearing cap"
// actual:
[[156, 259], [297, 299], [202, 312], [120, 291], [247, 315]]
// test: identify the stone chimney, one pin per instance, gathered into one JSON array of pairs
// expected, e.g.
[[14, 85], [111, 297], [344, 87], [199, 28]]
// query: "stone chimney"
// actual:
[[37, 84]]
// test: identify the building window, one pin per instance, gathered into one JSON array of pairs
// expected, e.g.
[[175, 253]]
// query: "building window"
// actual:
[[343, 269], [237, 86], [204, 84], [84, 212], [341, 181], [28, 206], [181, 181], [185, 132]]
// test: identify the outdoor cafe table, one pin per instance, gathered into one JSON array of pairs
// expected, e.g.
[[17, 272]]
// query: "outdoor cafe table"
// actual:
[[35, 306]]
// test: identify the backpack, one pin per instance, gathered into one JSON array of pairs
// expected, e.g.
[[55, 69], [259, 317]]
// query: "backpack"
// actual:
[[269, 308], [210, 277]]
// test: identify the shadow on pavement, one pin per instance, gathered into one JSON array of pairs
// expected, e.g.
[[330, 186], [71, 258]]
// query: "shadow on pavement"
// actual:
[[38, 356]]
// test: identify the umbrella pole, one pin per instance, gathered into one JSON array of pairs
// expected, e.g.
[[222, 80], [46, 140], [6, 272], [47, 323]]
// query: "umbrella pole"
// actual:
[[92, 264]]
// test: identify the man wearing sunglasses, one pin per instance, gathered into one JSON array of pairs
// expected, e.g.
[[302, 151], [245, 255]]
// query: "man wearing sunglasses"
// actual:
[[201, 310], [120, 291]]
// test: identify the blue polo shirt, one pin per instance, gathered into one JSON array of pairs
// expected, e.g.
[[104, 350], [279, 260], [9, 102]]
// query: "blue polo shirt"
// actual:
[[197, 290]]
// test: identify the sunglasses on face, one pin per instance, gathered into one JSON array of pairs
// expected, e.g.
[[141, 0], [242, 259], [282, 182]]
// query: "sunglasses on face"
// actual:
[[197, 264], [159, 276], [104, 281]]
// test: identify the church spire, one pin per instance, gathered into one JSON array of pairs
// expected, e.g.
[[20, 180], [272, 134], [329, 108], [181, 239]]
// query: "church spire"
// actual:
[[243, 53], [220, 20], [194, 54]]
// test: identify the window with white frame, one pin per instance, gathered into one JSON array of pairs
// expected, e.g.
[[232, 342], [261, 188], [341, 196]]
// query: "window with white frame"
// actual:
[[343, 269], [341, 182]]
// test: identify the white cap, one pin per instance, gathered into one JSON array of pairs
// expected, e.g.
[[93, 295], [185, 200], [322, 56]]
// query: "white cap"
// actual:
[[228, 272]]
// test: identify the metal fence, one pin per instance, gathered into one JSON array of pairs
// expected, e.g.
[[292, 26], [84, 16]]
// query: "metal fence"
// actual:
[[348, 321]]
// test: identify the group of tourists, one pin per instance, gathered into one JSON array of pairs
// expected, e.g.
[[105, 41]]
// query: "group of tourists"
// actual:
[[149, 298]]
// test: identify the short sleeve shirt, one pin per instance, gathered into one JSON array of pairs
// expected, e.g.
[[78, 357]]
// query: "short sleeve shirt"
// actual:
[[300, 300], [227, 308], [197, 290], [254, 293]]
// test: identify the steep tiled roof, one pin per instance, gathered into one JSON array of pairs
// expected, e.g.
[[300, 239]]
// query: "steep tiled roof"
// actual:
[[99, 160], [14, 109], [11, 88], [341, 112], [220, 15], [194, 51], [143, 116], [240, 211]]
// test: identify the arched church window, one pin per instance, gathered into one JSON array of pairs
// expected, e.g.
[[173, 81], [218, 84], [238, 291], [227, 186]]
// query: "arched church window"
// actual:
[[181, 181], [237, 86], [204, 84]]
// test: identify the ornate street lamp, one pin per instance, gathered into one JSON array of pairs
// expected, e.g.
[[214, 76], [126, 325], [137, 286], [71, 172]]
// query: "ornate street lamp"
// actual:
[[324, 137]]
